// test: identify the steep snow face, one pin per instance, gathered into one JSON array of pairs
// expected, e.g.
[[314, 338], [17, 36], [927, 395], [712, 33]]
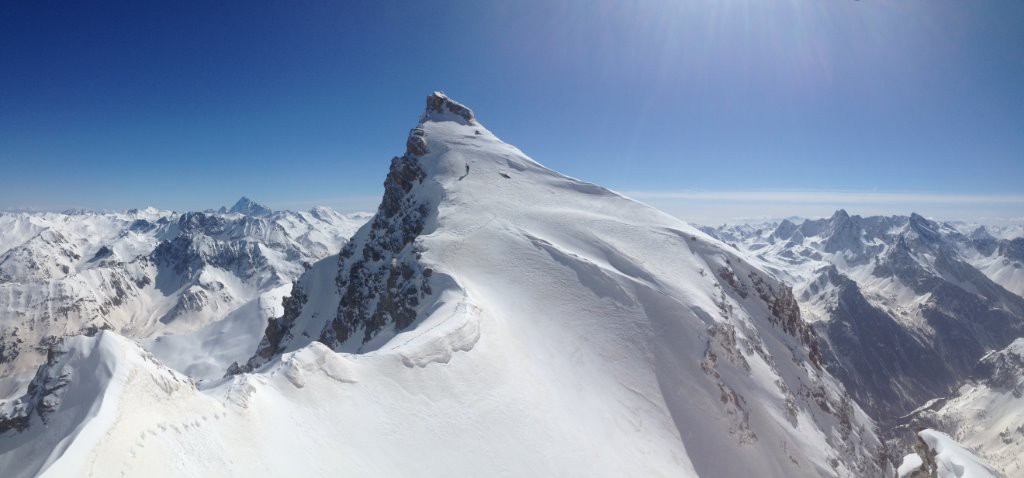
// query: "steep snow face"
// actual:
[[149, 273], [939, 456], [76, 396], [613, 334]]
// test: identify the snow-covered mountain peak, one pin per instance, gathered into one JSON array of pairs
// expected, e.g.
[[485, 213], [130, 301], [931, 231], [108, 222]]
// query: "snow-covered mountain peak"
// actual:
[[923, 228], [479, 259], [249, 207]]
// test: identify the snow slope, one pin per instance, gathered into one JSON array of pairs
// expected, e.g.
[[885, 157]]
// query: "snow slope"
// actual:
[[496, 318]]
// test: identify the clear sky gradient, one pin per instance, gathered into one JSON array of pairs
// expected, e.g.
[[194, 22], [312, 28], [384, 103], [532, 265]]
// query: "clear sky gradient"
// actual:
[[710, 110]]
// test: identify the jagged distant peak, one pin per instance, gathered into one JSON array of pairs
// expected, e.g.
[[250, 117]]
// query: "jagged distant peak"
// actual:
[[923, 227], [840, 215], [980, 232], [250, 208], [917, 218], [785, 229], [441, 107]]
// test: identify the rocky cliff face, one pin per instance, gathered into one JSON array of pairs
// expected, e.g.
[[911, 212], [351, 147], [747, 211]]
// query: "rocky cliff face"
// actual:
[[886, 367], [381, 285], [44, 393]]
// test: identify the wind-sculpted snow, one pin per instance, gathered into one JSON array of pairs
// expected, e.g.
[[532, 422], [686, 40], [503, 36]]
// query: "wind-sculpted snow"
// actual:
[[939, 456], [73, 400]]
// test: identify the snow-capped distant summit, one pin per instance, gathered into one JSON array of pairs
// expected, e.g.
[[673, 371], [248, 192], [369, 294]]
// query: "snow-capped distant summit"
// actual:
[[249, 207]]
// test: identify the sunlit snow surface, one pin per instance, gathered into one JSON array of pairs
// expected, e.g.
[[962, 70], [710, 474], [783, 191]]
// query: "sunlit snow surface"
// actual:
[[572, 332]]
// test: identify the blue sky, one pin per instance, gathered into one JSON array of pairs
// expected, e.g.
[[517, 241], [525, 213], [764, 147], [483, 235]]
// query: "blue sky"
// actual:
[[710, 110]]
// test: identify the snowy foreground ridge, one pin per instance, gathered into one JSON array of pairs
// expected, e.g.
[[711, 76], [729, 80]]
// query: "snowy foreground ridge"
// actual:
[[938, 455], [493, 318]]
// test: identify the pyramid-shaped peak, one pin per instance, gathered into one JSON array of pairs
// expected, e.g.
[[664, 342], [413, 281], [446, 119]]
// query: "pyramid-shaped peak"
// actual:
[[923, 228], [250, 208], [441, 107]]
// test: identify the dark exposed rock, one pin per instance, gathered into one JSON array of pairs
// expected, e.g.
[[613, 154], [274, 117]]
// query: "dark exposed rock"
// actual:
[[785, 229], [279, 328], [209, 224], [141, 226], [929, 465], [416, 145], [884, 366], [10, 345], [1012, 249], [784, 311], [381, 284], [186, 258], [384, 284], [103, 253], [440, 103], [43, 395]]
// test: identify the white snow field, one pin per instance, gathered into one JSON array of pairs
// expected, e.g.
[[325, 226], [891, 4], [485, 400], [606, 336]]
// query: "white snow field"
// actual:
[[570, 331]]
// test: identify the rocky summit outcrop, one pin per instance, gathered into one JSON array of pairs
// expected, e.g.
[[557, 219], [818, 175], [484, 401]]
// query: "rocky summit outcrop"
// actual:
[[438, 104], [380, 283]]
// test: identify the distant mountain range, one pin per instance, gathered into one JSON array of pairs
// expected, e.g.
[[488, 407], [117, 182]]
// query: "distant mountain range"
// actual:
[[910, 313], [148, 273]]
